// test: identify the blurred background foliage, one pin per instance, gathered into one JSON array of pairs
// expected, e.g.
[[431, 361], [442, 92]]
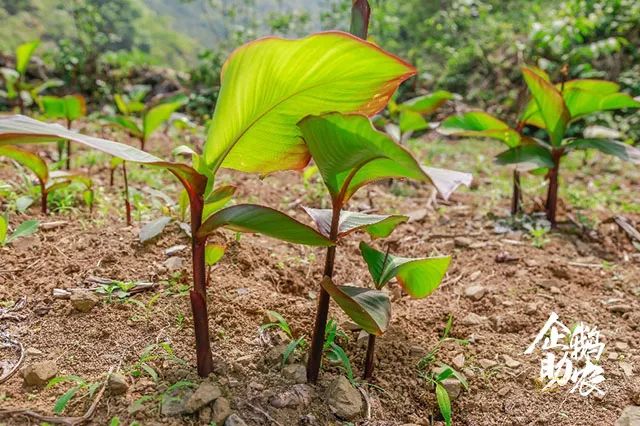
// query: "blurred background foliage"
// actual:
[[470, 47]]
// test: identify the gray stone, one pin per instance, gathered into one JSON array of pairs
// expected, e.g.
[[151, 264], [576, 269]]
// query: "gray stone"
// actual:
[[175, 249], [510, 362], [117, 384], [295, 372], [174, 404], [234, 420], [298, 395], [475, 292], [453, 387], [487, 363], [206, 393], [627, 369], [462, 242], [363, 339], [473, 319], [173, 263], [275, 354], [630, 416], [83, 301], [344, 400], [39, 373], [458, 361], [221, 410], [33, 352]]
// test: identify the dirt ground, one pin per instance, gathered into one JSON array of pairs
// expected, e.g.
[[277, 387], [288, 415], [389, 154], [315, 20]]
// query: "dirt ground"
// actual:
[[589, 274]]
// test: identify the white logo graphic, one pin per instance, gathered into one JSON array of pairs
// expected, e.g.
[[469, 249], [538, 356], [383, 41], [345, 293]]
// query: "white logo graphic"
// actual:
[[570, 356]]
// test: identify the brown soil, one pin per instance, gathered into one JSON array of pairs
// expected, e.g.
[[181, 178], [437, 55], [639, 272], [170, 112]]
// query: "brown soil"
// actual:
[[569, 276]]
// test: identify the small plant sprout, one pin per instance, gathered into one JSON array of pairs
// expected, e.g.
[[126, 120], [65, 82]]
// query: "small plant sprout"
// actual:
[[48, 181], [267, 87], [152, 117], [69, 108], [436, 379], [276, 320], [80, 386], [350, 153], [417, 277], [25, 229]]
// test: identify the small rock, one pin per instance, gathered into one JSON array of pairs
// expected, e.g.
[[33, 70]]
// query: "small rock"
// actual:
[[474, 275], [626, 368], [462, 242], [220, 411], [560, 271], [555, 290], [117, 384], [510, 362], [613, 356], [298, 395], [206, 393], [487, 363], [458, 361], [475, 292], [531, 308], [83, 301], [275, 354], [620, 309], [504, 257], [621, 346], [453, 387], [309, 420], [503, 391], [473, 319], [234, 420], [39, 373], [363, 339], [173, 250], [295, 372], [630, 416], [344, 400], [174, 404], [173, 263], [416, 351], [33, 352]]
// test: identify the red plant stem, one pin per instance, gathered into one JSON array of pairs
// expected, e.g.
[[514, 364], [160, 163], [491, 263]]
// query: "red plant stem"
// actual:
[[68, 147], [368, 361], [127, 204], [360, 13], [142, 143], [43, 197], [111, 173], [317, 341], [552, 194], [198, 295], [517, 194]]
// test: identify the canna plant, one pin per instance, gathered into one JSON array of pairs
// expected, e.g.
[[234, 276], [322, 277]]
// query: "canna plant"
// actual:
[[417, 277], [552, 108], [152, 117], [25, 229], [68, 108], [268, 85], [350, 153], [47, 180]]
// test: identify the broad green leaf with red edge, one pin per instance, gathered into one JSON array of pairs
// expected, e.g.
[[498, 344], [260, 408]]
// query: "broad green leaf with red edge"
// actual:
[[427, 104], [28, 159], [19, 129], [418, 277], [268, 85], [160, 113], [376, 225], [535, 155], [23, 55], [606, 146], [262, 220], [482, 125], [351, 153], [70, 107], [550, 103], [370, 309]]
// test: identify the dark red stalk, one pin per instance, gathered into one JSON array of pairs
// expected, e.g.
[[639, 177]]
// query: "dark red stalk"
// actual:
[[111, 173], [360, 13], [516, 196], [368, 361], [552, 194], [142, 142], [198, 295], [43, 197], [127, 204], [317, 341], [68, 147]]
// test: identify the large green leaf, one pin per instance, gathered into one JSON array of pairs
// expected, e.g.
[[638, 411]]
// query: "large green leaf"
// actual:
[[535, 155], [376, 225], [482, 125], [28, 159], [268, 85], [418, 277], [262, 220], [159, 114], [69, 107], [370, 309], [23, 55], [18, 129], [551, 105], [350, 153], [610, 147]]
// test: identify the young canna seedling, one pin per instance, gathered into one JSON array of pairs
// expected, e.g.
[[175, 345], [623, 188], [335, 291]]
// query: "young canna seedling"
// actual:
[[350, 153], [69, 108], [267, 87], [25, 229], [417, 277]]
